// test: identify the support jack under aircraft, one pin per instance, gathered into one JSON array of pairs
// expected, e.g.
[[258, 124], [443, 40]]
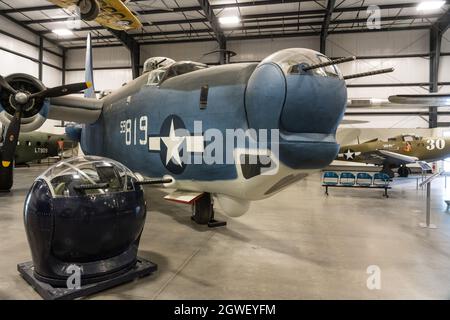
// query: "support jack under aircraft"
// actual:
[[170, 121]]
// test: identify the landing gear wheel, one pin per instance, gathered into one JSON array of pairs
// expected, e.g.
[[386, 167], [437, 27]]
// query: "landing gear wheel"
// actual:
[[89, 9], [203, 212], [403, 172]]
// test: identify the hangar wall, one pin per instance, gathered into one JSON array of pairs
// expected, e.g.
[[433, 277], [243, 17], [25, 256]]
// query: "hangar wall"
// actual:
[[20, 53], [407, 51], [112, 67]]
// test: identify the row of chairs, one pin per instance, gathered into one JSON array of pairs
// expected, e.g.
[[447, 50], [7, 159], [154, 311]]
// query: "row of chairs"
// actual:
[[362, 179]]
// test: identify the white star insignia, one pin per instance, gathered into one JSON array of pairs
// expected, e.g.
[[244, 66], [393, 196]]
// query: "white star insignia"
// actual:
[[173, 144], [349, 155]]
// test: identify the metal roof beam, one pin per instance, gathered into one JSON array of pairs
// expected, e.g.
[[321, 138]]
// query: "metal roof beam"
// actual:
[[436, 32], [281, 15], [181, 9], [29, 29], [224, 6], [262, 27], [326, 25], [263, 36], [215, 25], [133, 46], [443, 23]]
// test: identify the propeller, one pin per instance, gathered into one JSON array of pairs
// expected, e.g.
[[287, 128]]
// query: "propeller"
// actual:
[[5, 85], [62, 90], [20, 100]]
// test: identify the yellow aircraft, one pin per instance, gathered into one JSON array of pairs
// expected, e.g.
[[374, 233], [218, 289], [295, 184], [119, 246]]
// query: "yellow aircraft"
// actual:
[[112, 14]]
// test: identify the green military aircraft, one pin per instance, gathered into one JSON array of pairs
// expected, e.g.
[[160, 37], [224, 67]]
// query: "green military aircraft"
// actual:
[[40, 145], [397, 152]]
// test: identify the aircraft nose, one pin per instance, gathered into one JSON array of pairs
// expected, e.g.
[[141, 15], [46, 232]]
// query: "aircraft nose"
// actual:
[[280, 95], [314, 104], [306, 107]]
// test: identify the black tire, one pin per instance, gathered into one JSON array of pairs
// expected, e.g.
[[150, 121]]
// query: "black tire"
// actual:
[[403, 172], [91, 11]]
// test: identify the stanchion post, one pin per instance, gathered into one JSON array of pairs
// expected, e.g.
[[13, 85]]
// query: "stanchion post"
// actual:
[[427, 223]]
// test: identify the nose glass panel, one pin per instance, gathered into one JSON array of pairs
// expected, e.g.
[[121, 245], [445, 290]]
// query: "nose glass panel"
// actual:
[[292, 60]]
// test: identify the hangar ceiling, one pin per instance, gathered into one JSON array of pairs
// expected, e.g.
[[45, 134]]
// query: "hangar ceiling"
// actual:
[[171, 21]]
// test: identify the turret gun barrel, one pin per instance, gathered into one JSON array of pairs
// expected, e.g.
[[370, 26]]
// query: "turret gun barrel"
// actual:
[[329, 63], [368, 74]]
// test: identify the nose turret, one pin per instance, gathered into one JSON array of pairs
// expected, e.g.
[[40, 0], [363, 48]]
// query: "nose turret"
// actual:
[[284, 93], [303, 95]]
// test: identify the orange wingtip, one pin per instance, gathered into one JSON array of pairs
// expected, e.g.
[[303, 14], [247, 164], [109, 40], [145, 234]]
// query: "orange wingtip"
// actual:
[[6, 164], [89, 84]]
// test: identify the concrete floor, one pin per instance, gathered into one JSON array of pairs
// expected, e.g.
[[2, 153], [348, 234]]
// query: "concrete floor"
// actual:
[[296, 245]]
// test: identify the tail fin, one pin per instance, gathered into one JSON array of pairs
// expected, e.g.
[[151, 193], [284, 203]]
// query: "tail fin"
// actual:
[[89, 93]]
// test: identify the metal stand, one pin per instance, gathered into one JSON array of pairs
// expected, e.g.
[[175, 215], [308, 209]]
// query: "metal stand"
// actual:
[[427, 223], [142, 269], [203, 212]]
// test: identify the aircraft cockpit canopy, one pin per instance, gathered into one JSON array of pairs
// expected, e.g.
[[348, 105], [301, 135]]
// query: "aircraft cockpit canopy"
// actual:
[[158, 76], [87, 175], [410, 137], [291, 60], [156, 63]]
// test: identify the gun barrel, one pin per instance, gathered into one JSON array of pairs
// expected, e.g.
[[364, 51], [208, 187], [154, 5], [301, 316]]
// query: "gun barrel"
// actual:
[[329, 63], [368, 74]]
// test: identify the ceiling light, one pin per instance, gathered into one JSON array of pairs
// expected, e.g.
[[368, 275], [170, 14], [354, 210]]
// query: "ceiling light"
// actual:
[[430, 5], [63, 32], [229, 20]]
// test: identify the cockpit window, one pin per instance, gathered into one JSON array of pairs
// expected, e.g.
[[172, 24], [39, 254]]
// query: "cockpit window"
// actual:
[[408, 138], [158, 76], [155, 77], [330, 71]]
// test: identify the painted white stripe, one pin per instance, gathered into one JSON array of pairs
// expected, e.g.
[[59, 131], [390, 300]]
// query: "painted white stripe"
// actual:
[[154, 144], [195, 144]]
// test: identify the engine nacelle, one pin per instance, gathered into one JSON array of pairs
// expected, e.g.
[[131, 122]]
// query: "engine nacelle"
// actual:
[[34, 112]]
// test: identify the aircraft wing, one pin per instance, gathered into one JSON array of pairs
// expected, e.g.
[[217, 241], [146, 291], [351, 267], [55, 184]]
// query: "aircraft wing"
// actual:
[[75, 109], [379, 157], [403, 101], [394, 157], [64, 3], [113, 14], [354, 122]]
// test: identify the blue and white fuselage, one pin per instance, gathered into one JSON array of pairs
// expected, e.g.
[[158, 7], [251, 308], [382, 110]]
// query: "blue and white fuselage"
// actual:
[[153, 127]]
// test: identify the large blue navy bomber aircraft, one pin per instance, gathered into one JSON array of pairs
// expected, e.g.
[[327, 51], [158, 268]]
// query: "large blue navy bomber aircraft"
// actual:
[[233, 133]]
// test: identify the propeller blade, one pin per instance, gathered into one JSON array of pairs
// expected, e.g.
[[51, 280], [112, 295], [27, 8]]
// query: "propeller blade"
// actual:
[[5, 85], [62, 90]]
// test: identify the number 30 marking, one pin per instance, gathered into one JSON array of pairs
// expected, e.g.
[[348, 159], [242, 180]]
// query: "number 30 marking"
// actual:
[[435, 144]]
